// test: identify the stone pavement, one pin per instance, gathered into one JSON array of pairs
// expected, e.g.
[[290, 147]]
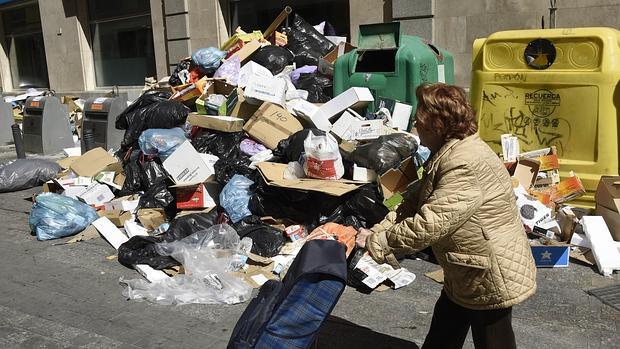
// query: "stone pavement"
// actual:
[[68, 296]]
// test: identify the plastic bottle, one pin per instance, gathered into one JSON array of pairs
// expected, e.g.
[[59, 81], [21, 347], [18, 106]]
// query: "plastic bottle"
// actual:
[[240, 257]]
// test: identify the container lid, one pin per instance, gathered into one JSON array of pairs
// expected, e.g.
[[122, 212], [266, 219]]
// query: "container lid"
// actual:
[[379, 36]]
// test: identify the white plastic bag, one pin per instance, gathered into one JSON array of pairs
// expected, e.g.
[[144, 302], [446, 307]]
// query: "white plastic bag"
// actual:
[[322, 157], [207, 257]]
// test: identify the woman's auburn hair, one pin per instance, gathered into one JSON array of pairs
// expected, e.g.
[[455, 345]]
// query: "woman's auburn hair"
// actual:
[[444, 109]]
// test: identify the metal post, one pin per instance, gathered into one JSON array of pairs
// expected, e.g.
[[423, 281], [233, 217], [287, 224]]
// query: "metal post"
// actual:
[[552, 10], [19, 142]]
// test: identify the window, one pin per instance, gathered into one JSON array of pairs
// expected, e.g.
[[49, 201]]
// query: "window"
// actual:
[[122, 41], [26, 52]]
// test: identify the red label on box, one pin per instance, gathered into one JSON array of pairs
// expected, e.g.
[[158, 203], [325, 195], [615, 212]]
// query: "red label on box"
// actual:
[[193, 197]]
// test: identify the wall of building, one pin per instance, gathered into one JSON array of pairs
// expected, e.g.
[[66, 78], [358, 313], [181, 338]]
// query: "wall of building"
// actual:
[[456, 23]]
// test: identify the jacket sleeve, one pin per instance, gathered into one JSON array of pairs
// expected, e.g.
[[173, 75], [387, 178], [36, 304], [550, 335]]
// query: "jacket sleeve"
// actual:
[[456, 197]]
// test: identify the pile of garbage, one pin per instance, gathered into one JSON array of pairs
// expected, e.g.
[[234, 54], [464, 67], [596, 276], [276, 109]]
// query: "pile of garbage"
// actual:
[[559, 231], [229, 166]]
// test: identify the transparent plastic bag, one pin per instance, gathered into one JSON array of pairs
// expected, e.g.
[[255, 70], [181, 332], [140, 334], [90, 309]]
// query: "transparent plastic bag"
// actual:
[[160, 141], [322, 157], [207, 256], [55, 216], [229, 70], [235, 198], [208, 59]]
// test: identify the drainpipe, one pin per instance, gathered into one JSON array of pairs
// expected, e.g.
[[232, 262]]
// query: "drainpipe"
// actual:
[[552, 10]]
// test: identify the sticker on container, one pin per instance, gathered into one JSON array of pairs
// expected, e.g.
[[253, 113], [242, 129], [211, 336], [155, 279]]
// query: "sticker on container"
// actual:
[[441, 73]]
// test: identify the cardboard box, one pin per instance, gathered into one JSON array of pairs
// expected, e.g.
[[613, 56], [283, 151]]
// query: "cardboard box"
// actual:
[[185, 165], [396, 180], [567, 189], [252, 69], [92, 162], [363, 174], [125, 203], [96, 194], [273, 174], [355, 97], [266, 89], [213, 87], [271, 124], [400, 113], [237, 106], [510, 147], [525, 171], [326, 63], [246, 51], [607, 198], [117, 217], [367, 129], [216, 122], [342, 126], [553, 256], [190, 92], [151, 218], [306, 112], [203, 195]]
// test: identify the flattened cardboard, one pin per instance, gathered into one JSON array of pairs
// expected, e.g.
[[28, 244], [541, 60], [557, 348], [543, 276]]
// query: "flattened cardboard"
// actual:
[[96, 194], [395, 181], [92, 162], [68, 161], [271, 124], [273, 173], [216, 122]]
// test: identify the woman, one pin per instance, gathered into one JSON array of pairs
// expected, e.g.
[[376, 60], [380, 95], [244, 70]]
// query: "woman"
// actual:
[[466, 211]]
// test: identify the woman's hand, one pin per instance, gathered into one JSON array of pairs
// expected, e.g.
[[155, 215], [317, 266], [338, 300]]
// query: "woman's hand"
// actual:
[[360, 240]]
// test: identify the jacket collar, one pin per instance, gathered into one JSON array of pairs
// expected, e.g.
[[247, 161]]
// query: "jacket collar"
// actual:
[[451, 143]]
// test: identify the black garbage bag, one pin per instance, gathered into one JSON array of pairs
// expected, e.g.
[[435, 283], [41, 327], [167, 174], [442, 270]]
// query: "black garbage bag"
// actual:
[[133, 180], [273, 57], [362, 208], [226, 168], [385, 152], [151, 173], [174, 77], [141, 250], [319, 87], [149, 112], [366, 205], [306, 42], [157, 196], [126, 118], [304, 207], [26, 173], [291, 148], [186, 225], [266, 240], [221, 144]]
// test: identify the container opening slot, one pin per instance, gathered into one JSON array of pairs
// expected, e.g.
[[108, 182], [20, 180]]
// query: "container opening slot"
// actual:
[[371, 61]]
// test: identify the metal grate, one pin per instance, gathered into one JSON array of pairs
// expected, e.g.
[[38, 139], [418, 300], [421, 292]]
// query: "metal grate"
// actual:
[[609, 295]]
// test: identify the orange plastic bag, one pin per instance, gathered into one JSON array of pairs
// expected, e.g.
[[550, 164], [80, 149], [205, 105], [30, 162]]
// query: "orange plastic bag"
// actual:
[[343, 234]]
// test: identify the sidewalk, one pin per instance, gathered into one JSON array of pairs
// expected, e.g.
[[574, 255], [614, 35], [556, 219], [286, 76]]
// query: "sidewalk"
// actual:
[[67, 296]]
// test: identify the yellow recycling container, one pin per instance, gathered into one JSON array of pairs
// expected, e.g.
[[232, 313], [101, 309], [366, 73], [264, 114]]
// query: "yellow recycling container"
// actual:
[[552, 87]]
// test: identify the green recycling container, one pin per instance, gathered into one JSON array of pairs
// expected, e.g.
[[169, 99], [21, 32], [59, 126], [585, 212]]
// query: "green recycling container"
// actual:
[[392, 65]]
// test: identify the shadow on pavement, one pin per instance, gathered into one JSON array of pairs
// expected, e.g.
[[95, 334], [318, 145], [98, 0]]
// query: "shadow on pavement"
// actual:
[[340, 333]]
